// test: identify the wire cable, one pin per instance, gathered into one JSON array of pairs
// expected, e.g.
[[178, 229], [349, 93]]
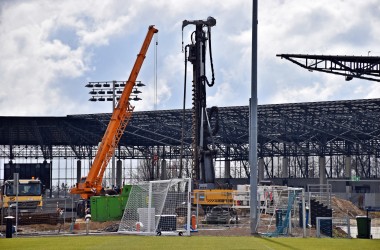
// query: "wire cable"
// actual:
[[155, 71], [183, 116], [211, 61]]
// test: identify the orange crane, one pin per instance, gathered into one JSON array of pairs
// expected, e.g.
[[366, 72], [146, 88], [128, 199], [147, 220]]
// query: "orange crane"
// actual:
[[92, 184]]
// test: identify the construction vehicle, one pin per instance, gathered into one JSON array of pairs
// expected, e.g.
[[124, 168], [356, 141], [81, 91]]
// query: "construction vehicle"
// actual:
[[206, 191], [209, 198], [203, 169], [28, 199], [92, 184]]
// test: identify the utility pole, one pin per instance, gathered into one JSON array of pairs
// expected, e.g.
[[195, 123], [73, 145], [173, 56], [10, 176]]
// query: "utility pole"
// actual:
[[253, 125]]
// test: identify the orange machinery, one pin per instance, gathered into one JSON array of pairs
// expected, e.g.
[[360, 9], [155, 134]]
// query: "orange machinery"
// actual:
[[92, 184]]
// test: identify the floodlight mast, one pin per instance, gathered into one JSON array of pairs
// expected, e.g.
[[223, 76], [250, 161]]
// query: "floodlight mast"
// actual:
[[253, 127], [92, 184]]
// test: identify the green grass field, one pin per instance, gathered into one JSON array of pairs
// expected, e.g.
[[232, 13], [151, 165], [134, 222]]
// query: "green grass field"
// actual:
[[170, 242]]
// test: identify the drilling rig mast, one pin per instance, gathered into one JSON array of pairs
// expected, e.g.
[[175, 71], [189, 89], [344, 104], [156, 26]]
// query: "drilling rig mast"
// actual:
[[203, 167]]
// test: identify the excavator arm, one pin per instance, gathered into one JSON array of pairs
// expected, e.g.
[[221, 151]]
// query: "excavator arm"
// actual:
[[121, 115]]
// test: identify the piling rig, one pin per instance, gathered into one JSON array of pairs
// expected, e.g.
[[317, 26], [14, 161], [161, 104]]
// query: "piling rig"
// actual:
[[203, 147]]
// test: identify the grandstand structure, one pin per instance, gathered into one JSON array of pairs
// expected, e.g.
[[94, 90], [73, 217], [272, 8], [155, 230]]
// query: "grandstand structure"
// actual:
[[331, 139], [361, 67]]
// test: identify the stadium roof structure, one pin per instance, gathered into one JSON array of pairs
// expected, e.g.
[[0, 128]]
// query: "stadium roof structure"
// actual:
[[363, 67], [348, 127]]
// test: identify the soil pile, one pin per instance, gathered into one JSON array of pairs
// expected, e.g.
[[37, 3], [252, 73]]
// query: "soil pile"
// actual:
[[343, 208]]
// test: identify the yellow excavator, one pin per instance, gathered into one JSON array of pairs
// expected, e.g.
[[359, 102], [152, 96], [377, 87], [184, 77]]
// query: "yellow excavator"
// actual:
[[92, 184]]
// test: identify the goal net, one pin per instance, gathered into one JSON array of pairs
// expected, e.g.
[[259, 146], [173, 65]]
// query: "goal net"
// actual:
[[158, 207], [287, 213]]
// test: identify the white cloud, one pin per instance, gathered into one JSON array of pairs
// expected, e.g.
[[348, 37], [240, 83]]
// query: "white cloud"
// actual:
[[101, 35], [49, 50]]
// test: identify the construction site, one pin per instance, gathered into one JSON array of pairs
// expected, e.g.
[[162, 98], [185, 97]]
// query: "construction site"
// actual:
[[191, 171]]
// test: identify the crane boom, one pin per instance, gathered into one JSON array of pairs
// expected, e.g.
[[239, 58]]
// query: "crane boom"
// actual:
[[115, 129]]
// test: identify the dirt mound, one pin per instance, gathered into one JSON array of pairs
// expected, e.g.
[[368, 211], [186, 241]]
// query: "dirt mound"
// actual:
[[79, 226], [343, 208], [111, 228]]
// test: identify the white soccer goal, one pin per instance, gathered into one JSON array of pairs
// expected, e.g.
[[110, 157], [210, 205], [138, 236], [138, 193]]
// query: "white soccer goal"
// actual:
[[158, 208], [288, 213]]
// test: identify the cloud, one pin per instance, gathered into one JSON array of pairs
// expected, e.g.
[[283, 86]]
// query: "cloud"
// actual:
[[36, 58], [100, 36], [50, 50]]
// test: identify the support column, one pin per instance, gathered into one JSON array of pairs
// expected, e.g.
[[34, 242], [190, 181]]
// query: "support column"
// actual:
[[51, 177], [322, 170], [285, 167], [261, 169], [348, 190], [347, 166], [163, 170], [227, 168], [119, 173], [79, 170]]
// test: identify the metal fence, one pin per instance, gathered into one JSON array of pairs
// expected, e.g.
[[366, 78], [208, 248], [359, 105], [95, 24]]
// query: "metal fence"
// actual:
[[280, 216], [280, 211], [347, 227], [55, 216]]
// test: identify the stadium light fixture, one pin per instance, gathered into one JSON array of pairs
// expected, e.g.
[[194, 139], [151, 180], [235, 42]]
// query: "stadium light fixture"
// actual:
[[111, 91]]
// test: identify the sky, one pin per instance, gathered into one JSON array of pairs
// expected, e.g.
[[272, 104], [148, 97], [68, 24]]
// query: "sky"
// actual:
[[51, 49]]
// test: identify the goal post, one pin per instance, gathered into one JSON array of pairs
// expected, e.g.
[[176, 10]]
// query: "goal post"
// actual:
[[158, 208]]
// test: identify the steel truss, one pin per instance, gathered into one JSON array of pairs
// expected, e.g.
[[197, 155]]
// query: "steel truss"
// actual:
[[363, 67], [301, 132]]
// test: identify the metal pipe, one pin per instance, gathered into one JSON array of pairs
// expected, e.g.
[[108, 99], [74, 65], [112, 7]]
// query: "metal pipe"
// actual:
[[113, 179], [183, 116], [253, 125], [303, 214]]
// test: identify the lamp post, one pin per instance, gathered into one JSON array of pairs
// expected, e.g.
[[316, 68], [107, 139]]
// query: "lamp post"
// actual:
[[253, 125], [111, 91]]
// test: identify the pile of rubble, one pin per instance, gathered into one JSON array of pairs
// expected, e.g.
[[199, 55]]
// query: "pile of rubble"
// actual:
[[343, 208]]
